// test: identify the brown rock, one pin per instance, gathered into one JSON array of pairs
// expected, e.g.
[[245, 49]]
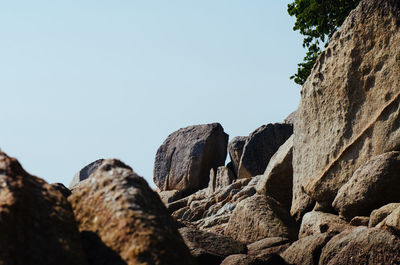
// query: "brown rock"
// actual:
[[306, 250], [362, 246], [290, 118], [210, 248], [85, 172], [37, 224], [349, 108], [184, 160], [277, 181], [61, 188], [242, 259], [360, 221], [391, 222], [258, 217], [378, 215], [235, 148], [260, 146], [222, 178], [169, 196], [318, 222], [117, 210], [265, 243], [373, 185]]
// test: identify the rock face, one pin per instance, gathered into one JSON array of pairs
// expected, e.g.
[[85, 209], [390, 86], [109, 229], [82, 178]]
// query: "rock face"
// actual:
[[209, 248], [116, 210], [85, 172], [35, 220], [235, 148], [260, 146], [373, 185], [318, 222], [362, 246], [349, 108], [278, 177], [222, 178], [258, 217], [184, 160]]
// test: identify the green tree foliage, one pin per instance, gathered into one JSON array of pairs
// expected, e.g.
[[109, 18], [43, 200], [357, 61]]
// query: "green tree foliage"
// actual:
[[317, 20]]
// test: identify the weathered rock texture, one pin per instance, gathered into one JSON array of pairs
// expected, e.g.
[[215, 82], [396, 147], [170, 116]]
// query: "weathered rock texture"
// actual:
[[85, 172], [378, 215], [258, 217], [372, 185], [260, 146], [392, 222], [362, 246], [318, 222], [117, 209], [220, 179], [37, 224], [235, 148], [278, 177], [184, 160], [242, 259], [349, 108], [210, 248]]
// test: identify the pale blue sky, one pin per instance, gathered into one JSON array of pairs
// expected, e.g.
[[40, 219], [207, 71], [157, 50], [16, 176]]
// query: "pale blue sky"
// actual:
[[82, 80]]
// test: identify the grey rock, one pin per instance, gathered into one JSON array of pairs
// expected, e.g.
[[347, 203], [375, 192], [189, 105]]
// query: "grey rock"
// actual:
[[184, 160], [235, 148], [85, 172], [222, 178]]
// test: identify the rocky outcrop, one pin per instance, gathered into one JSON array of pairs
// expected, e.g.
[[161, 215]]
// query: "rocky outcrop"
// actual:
[[378, 215], [373, 185], [184, 160], [37, 224], [362, 246], [116, 210], [318, 222], [349, 108], [258, 217], [260, 146], [277, 181], [220, 179], [85, 172], [306, 250], [210, 248], [235, 148]]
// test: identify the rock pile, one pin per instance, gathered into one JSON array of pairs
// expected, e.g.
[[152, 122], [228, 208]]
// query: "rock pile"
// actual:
[[319, 188]]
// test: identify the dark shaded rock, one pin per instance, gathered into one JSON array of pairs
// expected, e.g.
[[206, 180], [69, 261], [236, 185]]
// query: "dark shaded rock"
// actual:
[[128, 217], [306, 250], [258, 217], [373, 185], [184, 160], [260, 146], [242, 259], [210, 247], [37, 224], [61, 188], [362, 246], [85, 172], [220, 179], [349, 109], [265, 243], [169, 196], [378, 215], [277, 181], [360, 221], [235, 148]]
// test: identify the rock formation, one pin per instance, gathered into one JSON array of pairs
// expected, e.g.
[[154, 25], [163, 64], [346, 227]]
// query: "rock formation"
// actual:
[[184, 160]]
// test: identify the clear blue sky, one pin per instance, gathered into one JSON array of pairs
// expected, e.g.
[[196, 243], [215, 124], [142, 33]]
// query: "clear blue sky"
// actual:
[[82, 80]]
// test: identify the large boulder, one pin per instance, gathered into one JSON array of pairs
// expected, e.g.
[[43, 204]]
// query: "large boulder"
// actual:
[[37, 225], [349, 108], [210, 248], [374, 184], [277, 181], [85, 172], [362, 246], [260, 146], [235, 148], [258, 217], [184, 160], [116, 210]]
